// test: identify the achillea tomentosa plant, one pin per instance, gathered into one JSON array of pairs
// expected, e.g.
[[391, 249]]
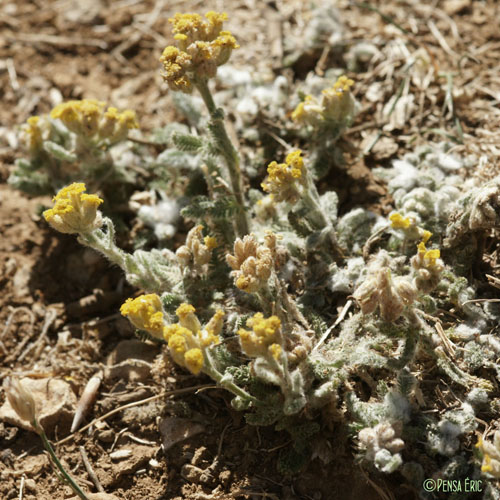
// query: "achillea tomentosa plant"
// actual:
[[267, 281], [77, 141]]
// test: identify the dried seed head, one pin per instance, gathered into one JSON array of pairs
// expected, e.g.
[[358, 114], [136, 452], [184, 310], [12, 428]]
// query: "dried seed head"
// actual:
[[197, 252], [20, 399], [252, 263]]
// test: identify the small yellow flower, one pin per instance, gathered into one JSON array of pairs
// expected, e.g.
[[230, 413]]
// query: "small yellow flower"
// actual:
[[426, 236], [429, 256], [74, 210], [33, 132], [298, 113], [275, 350], [174, 329], [283, 177], [337, 105], [398, 222], [202, 46], [265, 333], [214, 326], [146, 313], [90, 118], [210, 242], [177, 344], [81, 117], [188, 318], [194, 360], [486, 466]]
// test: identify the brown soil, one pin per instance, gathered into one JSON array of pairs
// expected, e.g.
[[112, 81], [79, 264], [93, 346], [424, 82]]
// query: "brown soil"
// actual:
[[59, 302]]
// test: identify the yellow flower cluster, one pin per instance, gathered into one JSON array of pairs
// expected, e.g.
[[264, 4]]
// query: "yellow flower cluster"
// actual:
[[429, 257], [490, 455], [283, 178], [428, 265], [74, 210], [400, 222], [264, 339], [187, 340], [202, 46], [408, 225], [252, 263], [336, 105], [90, 118], [146, 313]]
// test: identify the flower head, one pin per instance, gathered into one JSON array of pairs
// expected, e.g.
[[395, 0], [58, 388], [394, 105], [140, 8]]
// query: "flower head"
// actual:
[[429, 257], [336, 105], [252, 263], [81, 117], [202, 46], [33, 131], [185, 351], [214, 326], [264, 338], [194, 360], [428, 267], [188, 340], [146, 313], [399, 222], [74, 211], [20, 399], [490, 452], [283, 178], [90, 118], [337, 101], [197, 252], [188, 318]]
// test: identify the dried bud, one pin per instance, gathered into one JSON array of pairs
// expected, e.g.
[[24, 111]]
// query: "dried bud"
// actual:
[[20, 399], [252, 263]]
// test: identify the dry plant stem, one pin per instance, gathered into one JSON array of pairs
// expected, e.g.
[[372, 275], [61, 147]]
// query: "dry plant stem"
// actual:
[[228, 151], [39, 430]]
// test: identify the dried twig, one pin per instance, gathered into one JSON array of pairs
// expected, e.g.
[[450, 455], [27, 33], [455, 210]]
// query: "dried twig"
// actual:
[[135, 403], [89, 470], [11, 70], [341, 317], [57, 40], [50, 316]]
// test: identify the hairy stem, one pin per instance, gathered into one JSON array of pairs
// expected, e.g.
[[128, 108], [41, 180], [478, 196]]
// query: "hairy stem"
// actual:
[[228, 152], [213, 373]]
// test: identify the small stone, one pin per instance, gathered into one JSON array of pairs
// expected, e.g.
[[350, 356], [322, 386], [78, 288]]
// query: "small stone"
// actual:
[[192, 473], [225, 477], [175, 430], [30, 484]]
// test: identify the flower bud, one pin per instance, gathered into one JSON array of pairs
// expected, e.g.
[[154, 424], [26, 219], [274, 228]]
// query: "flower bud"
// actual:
[[20, 399]]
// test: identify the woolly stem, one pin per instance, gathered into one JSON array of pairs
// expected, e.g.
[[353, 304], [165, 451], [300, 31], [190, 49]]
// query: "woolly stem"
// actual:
[[227, 150]]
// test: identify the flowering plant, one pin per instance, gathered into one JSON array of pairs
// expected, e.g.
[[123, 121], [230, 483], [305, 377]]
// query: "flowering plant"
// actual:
[[248, 299]]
